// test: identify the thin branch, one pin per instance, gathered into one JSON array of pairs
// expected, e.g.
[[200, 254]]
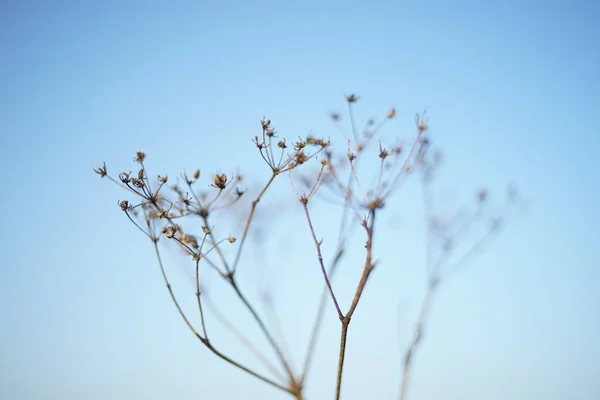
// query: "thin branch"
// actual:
[[264, 329], [248, 370], [319, 318], [332, 269], [418, 335], [204, 340], [369, 225], [215, 244], [369, 265], [320, 257], [222, 319], [164, 274]]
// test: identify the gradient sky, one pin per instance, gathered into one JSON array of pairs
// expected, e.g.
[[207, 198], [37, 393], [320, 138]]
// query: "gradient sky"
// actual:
[[512, 92]]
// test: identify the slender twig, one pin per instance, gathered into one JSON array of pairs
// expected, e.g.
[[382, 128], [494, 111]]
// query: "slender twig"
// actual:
[[353, 123], [369, 265], [418, 335], [248, 370], [204, 340], [198, 292], [319, 319], [137, 225], [275, 322], [264, 329], [222, 319], [215, 244], [320, 257], [369, 225], [164, 274], [331, 272], [402, 173]]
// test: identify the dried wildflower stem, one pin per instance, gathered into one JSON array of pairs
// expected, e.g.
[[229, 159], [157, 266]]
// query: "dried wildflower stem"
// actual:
[[246, 369], [222, 319], [320, 257], [331, 272], [319, 318], [355, 175], [121, 185], [379, 176], [369, 225], [321, 311], [338, 384], [265, 331], [249, 221], [205, 340], [435, 280], [164, 274], [215, 245], [352, 121], [369, 265], [275, 322], [416, 339], [137, 225], [477, 247], [198, 295], [403, 170]]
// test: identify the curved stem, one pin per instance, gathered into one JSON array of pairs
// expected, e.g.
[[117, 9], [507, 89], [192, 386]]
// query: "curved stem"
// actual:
[[205, 340], [265, 331]]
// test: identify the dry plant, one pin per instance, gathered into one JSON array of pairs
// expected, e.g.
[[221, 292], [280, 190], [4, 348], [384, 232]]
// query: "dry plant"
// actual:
[[160, 209]]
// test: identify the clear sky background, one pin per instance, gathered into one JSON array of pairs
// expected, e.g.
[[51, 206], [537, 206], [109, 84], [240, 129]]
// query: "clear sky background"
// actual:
[[512, 92]]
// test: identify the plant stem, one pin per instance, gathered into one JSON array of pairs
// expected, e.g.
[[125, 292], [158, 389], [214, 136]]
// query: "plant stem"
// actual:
[[320, 257], [204, 340], [265, 331], [338, 385], [418, 335], [368, 268]]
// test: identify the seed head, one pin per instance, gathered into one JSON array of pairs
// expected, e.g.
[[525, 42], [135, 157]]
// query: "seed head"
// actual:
[[124, 204], [352, 98], [170, 231], [421, 122], [124, 177], [220, 181], [163, 179], [101, 170]]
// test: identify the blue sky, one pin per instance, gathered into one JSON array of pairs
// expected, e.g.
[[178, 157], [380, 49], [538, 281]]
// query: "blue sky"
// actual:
[[511, 90]]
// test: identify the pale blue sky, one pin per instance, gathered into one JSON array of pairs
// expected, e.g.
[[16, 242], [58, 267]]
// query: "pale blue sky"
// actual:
[[512, 92]]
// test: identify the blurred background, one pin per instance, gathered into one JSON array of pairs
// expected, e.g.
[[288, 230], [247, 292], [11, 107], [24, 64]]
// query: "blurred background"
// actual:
[[512, 94]]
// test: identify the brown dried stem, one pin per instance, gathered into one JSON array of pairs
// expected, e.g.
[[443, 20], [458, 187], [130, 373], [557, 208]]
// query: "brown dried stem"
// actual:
[[265, 331], [222, 319], [368, 224], [320, 257], [205, 340]]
